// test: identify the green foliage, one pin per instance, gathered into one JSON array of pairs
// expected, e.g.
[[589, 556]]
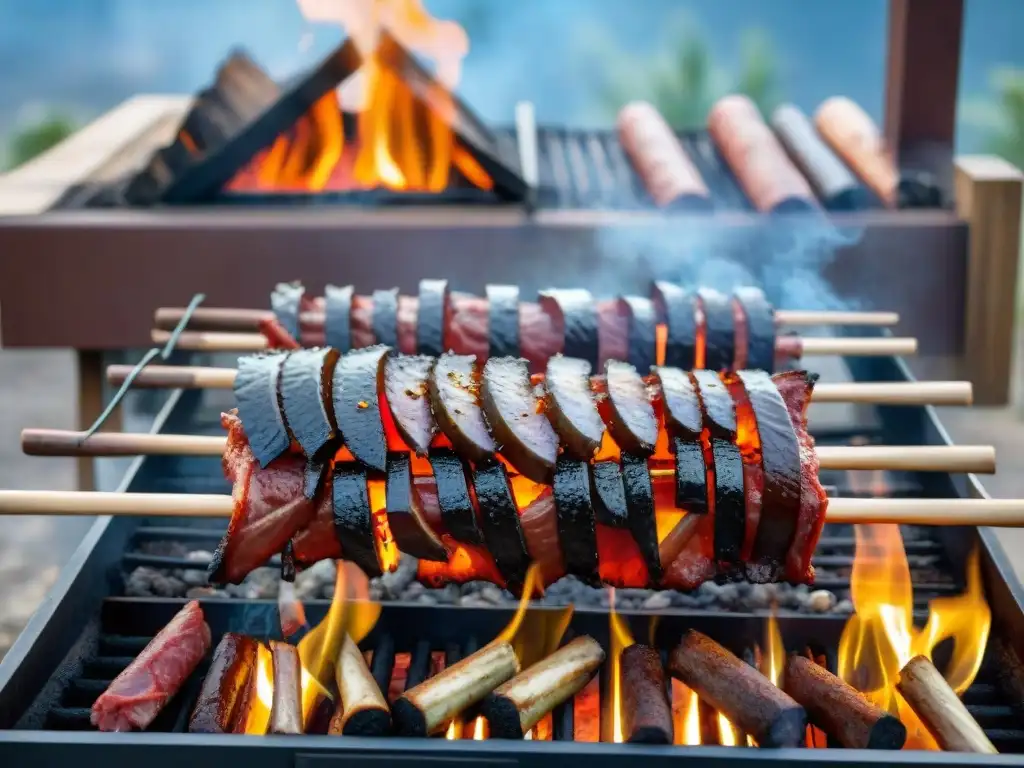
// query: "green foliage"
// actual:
[[37, 138], [1007, 138]]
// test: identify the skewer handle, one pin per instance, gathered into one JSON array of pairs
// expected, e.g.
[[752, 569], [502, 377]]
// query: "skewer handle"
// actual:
[[1001, 513], [214, 318], [880, 393], [803, 317], [213, 341], [979, 459], [892, 346]]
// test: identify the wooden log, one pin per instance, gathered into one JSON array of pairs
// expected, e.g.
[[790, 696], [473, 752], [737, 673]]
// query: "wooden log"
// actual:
[[286, 710], [363, 709], [839, 709], [223, 703], [741, 693], [941, 711], [645, 709]]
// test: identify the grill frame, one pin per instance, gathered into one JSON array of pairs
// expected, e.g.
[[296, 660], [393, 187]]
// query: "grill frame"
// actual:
[[31, 668]]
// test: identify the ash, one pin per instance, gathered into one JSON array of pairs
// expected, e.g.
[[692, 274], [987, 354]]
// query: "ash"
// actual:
[[317, 583]]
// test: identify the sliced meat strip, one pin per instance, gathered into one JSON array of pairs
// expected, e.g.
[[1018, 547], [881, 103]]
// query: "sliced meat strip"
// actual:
[[716, 403], [680, 402], [576, 524], [500, 522], [749, 445], [353, 517], [385, 317], [503, 320], [678, 308], [729, 509], [257, 390], [780, 460], [136, 696], [409, 528], [578, 314], [358, 380], [338, 317], [632, 423], [643, 332], [306, 397], [457, 511], [430, 321], [691, 476], [454, 387], [571, 406], [286, 302], [407, 391], [608, 494], [719, 330], [636, 482], [760, 328], [515, 415]]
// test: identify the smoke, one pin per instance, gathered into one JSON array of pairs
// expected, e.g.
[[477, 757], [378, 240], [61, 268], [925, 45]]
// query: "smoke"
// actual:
[[787, 256]]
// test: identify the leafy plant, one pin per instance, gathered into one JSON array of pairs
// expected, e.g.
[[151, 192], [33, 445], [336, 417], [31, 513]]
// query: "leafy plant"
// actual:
[[37, 138]]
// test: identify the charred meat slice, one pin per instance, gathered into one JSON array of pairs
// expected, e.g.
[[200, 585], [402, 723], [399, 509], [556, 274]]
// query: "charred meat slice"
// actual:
[[406, 388], [760, 328], [679, 310], [286, 302], [729, 501], [719, 330], [643, 332], [680, 402], [455, 398], [500, 522], [306, 379], [576, 308], [636, 482], [571, 406], [608, 494], [719, 409], [576, 531], [385, 317], [503, 320], [515, 417], [358, 377], [780, 459], [633, 423], [691, 476], [353, 518], [257, 393], [457, 511], [338, 317], [412, 534], [430, 319]]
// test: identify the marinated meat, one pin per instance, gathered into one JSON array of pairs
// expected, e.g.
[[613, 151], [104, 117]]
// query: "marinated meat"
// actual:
[[632, 421], [406, 387], [571, 406], [454, 387], [573, 309]]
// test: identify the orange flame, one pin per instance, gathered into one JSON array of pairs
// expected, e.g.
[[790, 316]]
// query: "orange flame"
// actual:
[[880, 638], [774, 651], [404, 140]]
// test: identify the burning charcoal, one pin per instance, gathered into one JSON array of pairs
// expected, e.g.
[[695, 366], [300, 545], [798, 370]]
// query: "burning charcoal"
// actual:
[[821, 601], [426, 708], [839, 709]]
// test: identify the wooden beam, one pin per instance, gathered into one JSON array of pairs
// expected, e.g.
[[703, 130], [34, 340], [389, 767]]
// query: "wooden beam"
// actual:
[[988, 198], [922, 71]]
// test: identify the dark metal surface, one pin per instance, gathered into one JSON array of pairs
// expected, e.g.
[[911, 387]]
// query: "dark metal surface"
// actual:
[[117, 267]]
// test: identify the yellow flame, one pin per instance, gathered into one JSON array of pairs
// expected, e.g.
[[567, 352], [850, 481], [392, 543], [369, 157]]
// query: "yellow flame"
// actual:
[[880, 638], [259, 710], [727, 732], [691, 720], [621, 638], [775, 651]]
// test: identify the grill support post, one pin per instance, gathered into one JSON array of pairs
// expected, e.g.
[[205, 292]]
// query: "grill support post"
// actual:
[[988, 195]]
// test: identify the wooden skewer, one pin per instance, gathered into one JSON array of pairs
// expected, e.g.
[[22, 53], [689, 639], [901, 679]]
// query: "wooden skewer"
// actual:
[[918, 458], [1001, 513], [870, 393], [214, 341], [240, 320]]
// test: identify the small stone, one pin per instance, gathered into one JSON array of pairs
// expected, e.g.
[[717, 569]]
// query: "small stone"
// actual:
[[199, 556], [843, 607], [396, 581], [491, 594], [327, 592], [196, 593], [683, 600], [164, 549], [659, 601], [447, 596], [473, 601], [821, 600], [376, 592], [760, 597], [413, 591], [262, 583], [426, 599]]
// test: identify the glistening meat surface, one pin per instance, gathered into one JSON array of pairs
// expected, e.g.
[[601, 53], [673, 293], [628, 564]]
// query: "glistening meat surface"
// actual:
[[466, 331], [136, 696]]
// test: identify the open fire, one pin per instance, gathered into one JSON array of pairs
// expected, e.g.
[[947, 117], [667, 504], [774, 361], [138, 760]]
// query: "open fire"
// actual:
[[401, 139], [877, 642]]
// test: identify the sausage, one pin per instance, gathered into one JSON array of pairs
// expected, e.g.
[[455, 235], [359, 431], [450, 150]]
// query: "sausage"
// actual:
[[669, 176], [755, 156]]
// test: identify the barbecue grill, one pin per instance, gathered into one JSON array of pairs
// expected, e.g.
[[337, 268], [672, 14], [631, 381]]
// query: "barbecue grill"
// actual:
[[88, 631]]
